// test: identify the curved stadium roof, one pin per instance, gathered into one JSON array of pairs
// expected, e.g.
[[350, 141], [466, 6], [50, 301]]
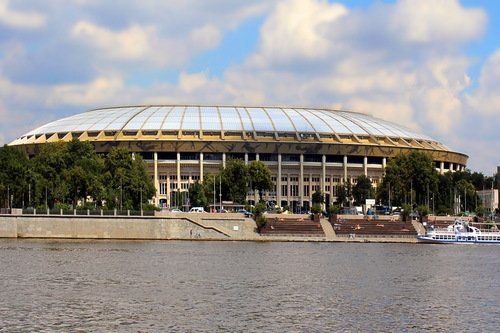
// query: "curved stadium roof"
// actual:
[[157, 127], [227, 118]]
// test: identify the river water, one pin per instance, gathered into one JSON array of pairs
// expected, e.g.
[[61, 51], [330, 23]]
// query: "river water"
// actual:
[[182, 286]]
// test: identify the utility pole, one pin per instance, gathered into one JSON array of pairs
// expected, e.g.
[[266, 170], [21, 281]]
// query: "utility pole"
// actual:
[[220, 192]]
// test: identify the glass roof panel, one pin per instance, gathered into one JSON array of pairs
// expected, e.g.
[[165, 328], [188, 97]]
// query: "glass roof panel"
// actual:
[[157, 115], [174, 118], [119, 117], [245, 119], [351, 126], [191, 119], [261, 120], [280, 119], [210, 120], [137, 122], [325, 124], [300, 120], [230, 119]]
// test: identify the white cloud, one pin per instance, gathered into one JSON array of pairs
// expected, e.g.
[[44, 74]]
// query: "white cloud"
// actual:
[[191, 82], [133, 43], [431, 21], [485, 99], [98, 92], [18, 19], [296, 29], [207, 36]]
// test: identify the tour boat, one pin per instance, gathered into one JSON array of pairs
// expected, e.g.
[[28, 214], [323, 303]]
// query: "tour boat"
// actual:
[[461, 232]]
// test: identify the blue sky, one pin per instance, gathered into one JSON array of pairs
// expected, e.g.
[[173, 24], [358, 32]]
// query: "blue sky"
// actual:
[[431, 65]]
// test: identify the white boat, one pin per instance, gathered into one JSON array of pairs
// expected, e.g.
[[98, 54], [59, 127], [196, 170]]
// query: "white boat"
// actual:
[[460, 232]]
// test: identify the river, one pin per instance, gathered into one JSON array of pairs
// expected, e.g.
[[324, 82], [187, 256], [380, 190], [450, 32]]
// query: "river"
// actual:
[[183, 286]]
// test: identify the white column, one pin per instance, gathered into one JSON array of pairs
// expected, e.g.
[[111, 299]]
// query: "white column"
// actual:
[[345, 169], [323, 176], [178, 165], [451, 167], [156, 181], [441, 167], [246, 158], [323, 173], [301, 179], [365, 166], [278, 186], [257, 157], [201, 167], [223, 160]]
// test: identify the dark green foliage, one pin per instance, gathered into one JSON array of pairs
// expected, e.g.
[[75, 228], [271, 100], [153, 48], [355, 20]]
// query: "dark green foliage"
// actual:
[[411, 178], [14, 177], [344, 193], [316, 208], [197, 195], [126, 180], [66, 175], [260, 177], [318, 198], [362, 190]]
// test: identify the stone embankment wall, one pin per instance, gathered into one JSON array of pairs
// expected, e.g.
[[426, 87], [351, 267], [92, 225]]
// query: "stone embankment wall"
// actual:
[[182, 226]]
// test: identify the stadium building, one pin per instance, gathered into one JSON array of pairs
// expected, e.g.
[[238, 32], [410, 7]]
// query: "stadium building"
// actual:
[[307, 149]]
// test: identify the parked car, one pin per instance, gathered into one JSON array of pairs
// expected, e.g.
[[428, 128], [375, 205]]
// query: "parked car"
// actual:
[[175, 210], [197, 210], [245, 212]]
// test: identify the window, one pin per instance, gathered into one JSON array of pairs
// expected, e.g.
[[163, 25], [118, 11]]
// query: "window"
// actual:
[[315, 179], [294, 179], [173, 177], [315, 188], [306, 179], [163, 188], [163, 177], [284, 179], [306, 190], [173, 186], [294, 190], [284, 190], [327, 188], [184, 177]]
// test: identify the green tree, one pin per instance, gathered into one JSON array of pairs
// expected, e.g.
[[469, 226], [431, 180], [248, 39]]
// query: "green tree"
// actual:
[[197, 195], [318, 198], [362, 190], [235, 180], [411, 177], [83, 172], [344, 194], [49, 166], [260, 177], [14, 177], [126, 179]]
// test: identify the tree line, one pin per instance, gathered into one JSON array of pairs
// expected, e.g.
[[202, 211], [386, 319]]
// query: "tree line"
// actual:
[[72, 175], [232, 183], [411, 179]]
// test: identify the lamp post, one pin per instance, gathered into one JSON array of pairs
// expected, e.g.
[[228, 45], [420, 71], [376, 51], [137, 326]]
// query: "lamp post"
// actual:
[[220, 192]]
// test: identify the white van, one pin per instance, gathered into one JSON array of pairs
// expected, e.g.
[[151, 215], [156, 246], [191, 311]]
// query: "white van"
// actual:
[[197, 210]]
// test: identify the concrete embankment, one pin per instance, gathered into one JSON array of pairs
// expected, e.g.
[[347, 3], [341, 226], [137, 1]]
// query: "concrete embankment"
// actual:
[[194, 226], [163, 227]]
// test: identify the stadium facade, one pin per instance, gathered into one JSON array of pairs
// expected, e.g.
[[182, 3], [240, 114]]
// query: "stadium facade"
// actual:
[[307, 149]]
